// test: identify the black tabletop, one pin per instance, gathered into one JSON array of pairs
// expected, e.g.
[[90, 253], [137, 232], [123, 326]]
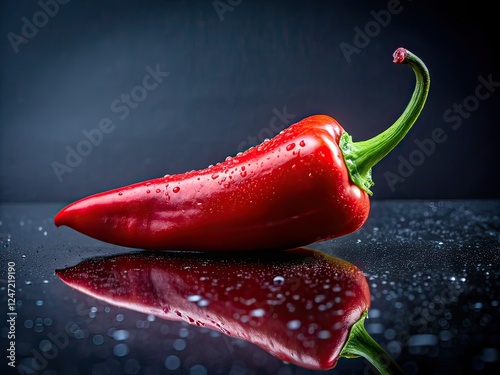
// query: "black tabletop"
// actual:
[[433, 268]]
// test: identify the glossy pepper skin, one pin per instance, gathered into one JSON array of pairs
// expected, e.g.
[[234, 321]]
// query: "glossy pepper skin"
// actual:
[[291, 190], [299, 305], [309, 183]]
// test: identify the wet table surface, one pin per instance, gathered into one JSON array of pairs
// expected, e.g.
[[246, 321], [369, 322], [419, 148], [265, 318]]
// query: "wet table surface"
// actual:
[[433, 269]]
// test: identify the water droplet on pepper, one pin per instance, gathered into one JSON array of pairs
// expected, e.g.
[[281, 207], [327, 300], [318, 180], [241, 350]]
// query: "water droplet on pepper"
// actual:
[[294, 324], [279, 280]]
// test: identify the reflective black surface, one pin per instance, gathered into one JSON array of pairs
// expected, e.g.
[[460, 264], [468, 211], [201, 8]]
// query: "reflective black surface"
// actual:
[[432, 266]]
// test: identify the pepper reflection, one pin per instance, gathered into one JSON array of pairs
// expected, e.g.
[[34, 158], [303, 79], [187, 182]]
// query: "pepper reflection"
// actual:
[[301, 305]]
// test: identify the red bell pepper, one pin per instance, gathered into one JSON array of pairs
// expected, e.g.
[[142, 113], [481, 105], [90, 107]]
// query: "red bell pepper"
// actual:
[[302, 305], [309, 183]]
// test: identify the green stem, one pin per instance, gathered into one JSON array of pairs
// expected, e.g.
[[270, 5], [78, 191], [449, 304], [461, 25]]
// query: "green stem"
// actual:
[[360, 157], [361, 344]]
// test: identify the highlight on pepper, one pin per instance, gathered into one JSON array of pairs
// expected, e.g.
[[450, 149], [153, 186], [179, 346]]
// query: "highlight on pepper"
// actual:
[[309, 183], [302, 306]]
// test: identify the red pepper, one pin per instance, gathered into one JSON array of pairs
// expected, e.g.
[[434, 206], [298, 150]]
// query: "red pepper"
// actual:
[[302, 306], [309, 183]]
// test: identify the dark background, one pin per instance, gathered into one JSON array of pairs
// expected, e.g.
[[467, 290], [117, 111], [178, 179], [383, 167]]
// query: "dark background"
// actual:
[[227, 73]]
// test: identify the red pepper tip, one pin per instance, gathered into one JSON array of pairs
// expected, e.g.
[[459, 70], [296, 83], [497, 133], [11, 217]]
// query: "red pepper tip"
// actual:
[[58, 219], [64, 274], [61, 274], [400, 55]]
